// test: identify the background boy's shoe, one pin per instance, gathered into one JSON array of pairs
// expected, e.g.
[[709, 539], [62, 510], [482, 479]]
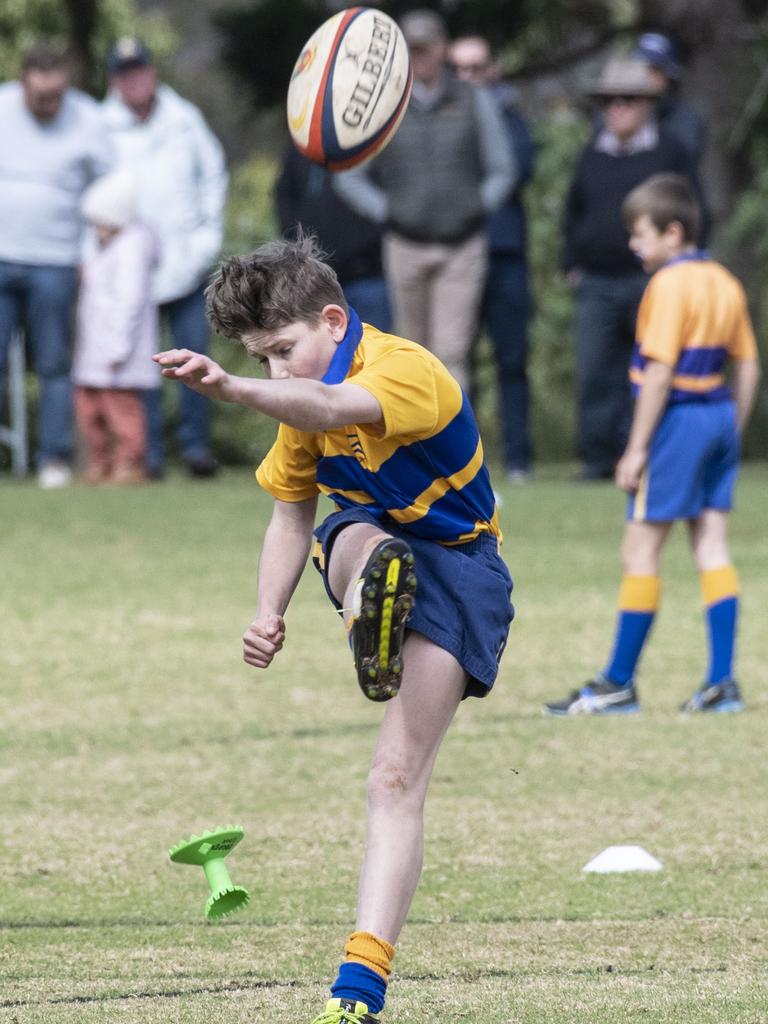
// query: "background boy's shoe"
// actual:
[[345, 1011], [381, 604], [598, 697], [722, 696]]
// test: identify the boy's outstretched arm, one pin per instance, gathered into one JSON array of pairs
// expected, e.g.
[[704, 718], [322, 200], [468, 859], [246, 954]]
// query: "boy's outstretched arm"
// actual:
[[746, 377], [298, 402], [283, 557], [651, 402]]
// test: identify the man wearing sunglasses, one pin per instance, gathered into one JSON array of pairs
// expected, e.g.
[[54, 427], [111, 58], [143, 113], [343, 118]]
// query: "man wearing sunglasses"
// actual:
[[608, 281]]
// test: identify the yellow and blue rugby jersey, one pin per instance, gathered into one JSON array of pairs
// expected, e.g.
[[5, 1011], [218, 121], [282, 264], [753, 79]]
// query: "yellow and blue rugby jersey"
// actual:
[[693, 316], [424, 469]]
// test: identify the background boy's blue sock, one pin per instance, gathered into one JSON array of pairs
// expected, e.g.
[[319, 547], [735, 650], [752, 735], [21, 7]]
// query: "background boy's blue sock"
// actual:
[[356, 981], [720, 593], [639, 599]]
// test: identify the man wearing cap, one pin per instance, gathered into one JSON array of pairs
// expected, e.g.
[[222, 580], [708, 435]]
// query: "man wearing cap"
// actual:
[[606, 276], [675, 116], [446, 169], [53, 146], [182, 189]]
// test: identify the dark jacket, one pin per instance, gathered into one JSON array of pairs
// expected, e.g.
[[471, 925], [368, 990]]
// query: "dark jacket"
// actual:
[[304, 195], [679, 120], [506, 227], [594, 236]]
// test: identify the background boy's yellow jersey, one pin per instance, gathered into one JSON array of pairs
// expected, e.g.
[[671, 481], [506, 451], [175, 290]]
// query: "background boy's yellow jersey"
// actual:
[[424, 469], [693, 317]]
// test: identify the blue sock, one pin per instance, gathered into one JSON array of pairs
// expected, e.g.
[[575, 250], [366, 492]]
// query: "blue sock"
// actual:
[[720, 595], [721, 624], [639, 598], [631, 630], [358, 982]]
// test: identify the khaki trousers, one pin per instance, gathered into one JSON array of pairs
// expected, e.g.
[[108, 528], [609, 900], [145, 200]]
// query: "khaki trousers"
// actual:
[[436, 290]]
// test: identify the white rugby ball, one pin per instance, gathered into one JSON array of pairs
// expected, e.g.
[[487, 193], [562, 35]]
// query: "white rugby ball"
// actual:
[[349, 88]]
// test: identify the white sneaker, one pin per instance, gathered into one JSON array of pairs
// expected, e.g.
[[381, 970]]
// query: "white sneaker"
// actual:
[[54, 474]]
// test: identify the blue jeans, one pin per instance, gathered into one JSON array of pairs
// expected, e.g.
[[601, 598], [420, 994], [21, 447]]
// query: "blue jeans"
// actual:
[[369, 297], [189, 329], [605, 313], [505, 312], [41, 299]]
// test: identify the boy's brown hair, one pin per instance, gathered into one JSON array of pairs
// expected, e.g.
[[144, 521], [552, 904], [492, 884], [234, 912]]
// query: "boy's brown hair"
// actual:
[[666, 199], [277, 284]]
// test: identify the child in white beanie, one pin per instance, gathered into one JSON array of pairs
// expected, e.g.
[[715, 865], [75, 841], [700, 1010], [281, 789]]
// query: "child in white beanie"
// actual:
[[117, 332]]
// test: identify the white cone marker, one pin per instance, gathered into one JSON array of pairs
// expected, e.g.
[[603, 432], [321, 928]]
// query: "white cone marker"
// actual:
[[622, 858]]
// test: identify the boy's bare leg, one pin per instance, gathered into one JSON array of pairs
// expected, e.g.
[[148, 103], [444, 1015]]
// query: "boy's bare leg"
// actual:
[[641, 547], [349, 553], [708, 534], [612, 690], [413, 728]]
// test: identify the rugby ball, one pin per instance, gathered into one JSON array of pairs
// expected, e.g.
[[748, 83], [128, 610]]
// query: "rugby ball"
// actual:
[[349, 88]]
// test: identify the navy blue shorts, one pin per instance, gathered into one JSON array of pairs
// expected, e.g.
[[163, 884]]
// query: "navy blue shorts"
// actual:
[[692, 464], [463, 601]]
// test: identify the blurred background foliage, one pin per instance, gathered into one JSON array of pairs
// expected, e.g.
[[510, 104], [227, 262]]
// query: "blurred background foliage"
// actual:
[[87, 28], [234, 59]]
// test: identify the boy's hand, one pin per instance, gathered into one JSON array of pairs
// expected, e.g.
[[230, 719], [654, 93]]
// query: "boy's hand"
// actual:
[[629, 469], [263, 639], [196, 371]]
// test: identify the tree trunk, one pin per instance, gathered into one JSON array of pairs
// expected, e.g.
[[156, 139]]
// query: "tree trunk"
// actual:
[[83, 16]]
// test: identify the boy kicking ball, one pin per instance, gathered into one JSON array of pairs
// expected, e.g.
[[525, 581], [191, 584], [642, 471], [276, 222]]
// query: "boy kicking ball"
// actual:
[[378, 425], [682, 457]]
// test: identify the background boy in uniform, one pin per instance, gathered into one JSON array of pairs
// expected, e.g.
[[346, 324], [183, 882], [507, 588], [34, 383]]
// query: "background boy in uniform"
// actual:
[[682, 457], [378, 425]]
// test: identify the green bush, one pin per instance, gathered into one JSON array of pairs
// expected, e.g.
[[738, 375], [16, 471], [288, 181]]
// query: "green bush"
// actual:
[[747, 232], [250, 206], [559, 139]]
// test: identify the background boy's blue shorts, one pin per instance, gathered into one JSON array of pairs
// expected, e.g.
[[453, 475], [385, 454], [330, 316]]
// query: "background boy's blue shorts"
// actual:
[[692, 466], [463, 598]]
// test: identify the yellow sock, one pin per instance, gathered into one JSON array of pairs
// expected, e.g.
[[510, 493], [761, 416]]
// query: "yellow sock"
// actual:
[[718, 584], [639, 593], [371, 951]]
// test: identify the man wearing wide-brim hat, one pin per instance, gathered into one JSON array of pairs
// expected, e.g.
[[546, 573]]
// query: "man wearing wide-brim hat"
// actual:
[[624, 76], [607, 279]]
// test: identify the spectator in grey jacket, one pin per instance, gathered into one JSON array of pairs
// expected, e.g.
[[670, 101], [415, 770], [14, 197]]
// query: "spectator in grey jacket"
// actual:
[[446, 169], [53, 146], [182, 188]]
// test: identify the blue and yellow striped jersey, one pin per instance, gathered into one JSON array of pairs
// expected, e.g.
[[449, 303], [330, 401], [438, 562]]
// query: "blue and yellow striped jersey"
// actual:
[[424, 469], [693, 317]]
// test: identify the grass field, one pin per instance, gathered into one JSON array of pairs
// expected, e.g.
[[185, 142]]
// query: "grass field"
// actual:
[[128, 722]]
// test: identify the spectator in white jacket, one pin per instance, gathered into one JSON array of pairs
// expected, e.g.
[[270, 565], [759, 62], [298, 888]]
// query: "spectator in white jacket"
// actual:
[[117, 333], [52, 146], [182, 179]]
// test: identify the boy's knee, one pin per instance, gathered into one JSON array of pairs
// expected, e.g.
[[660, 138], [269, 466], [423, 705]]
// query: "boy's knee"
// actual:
[[350, 548], [389, 783]]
